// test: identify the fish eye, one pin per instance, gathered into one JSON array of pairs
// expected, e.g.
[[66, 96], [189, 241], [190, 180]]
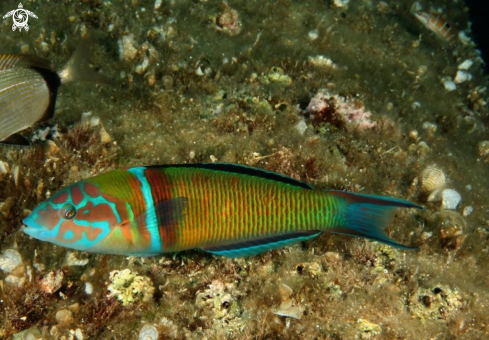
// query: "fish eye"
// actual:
[[68, 212]]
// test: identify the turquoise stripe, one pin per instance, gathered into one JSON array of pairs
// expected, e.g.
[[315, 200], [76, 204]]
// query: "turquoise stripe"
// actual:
[[151, 218]]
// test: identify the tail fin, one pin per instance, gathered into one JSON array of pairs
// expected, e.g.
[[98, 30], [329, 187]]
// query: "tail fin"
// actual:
[[78, 66], [367, 216]]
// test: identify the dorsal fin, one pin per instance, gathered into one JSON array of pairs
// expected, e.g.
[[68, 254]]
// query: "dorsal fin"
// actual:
[[240, 169], [10, 61]]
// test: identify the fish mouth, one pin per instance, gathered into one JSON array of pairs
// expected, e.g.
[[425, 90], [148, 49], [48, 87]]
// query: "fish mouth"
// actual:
[[30, 227]]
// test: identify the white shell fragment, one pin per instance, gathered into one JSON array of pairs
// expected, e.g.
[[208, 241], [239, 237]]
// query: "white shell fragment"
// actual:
[[9, 260], [288, 310], [301, 127], [4, 168], [72, 260], [322, 62], [465, 65], [462, 76], [340, 3], [313, 35], [449, 85], [148, 332], [450, 199], [467, 211], [432, 178], [88, 288]]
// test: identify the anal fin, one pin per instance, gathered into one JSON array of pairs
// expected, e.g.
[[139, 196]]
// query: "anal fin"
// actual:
[[260, 245]]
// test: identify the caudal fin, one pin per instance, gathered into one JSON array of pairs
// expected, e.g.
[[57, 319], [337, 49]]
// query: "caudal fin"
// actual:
[[78, 66], [368, 215]]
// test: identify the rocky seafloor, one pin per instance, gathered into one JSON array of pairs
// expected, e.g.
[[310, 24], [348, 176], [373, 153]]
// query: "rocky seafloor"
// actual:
[[352, 95]]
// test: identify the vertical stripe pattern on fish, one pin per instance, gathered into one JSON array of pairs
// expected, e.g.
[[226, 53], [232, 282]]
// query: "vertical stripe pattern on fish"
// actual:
[[437, 24], [224, 209]]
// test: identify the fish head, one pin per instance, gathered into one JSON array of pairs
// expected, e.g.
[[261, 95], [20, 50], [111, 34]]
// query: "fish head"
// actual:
[[79, 216], [423, 17]]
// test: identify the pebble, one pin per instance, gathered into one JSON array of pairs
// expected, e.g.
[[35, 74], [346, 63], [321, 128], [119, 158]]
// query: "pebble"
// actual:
[[301, 127], [465, 65], [52, 282], [64, 316], [127, 50], [9, 260], [72, 260], [88, 288], [4, 168], [450, 199], [449, 85], [467, 211], [462, 76], [148, 332]]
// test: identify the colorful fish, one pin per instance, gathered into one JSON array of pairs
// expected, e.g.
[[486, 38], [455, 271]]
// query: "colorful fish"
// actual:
[[437, 24], [224, 209], [28, 89]]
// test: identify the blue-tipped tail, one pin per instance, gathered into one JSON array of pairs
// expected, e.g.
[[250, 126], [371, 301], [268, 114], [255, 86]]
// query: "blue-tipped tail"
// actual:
[[368, 215]]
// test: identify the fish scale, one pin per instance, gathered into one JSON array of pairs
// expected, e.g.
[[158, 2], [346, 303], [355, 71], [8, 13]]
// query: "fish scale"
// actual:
[[225, 209]]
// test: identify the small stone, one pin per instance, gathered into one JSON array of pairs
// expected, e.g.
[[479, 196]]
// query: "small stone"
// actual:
[[104, 136], [4, 168], [465, 65], [462, 76], [301, 127], [148, 332], [9, 260], [88, 288], [72, 260], [467, 211], [450, 199], [64, 316], [52, 281], [449, 85], [127, 50]]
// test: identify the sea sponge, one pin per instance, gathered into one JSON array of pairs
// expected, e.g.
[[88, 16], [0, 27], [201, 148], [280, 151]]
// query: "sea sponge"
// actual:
[[129, 287]]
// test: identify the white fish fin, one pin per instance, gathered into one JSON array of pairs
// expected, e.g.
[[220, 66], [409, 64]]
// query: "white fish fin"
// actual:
[[78, 66]]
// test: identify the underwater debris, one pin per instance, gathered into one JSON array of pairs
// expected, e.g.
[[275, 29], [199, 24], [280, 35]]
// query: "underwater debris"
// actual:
[[323, 62], [288, 307], [127, 49], [129, 287], [483, 148], [220, 300], [52, 281], [450, 199], [278, 76], [228, 21], [64, 316], [148, 332], [451, 227], [438, 302], [339, 111], [9, 260], [366, 329], [71, 260], [432, 179], [341, 3]]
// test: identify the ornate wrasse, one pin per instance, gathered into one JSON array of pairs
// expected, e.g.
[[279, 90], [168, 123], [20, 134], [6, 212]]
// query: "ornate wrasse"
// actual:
[[225, 209]]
